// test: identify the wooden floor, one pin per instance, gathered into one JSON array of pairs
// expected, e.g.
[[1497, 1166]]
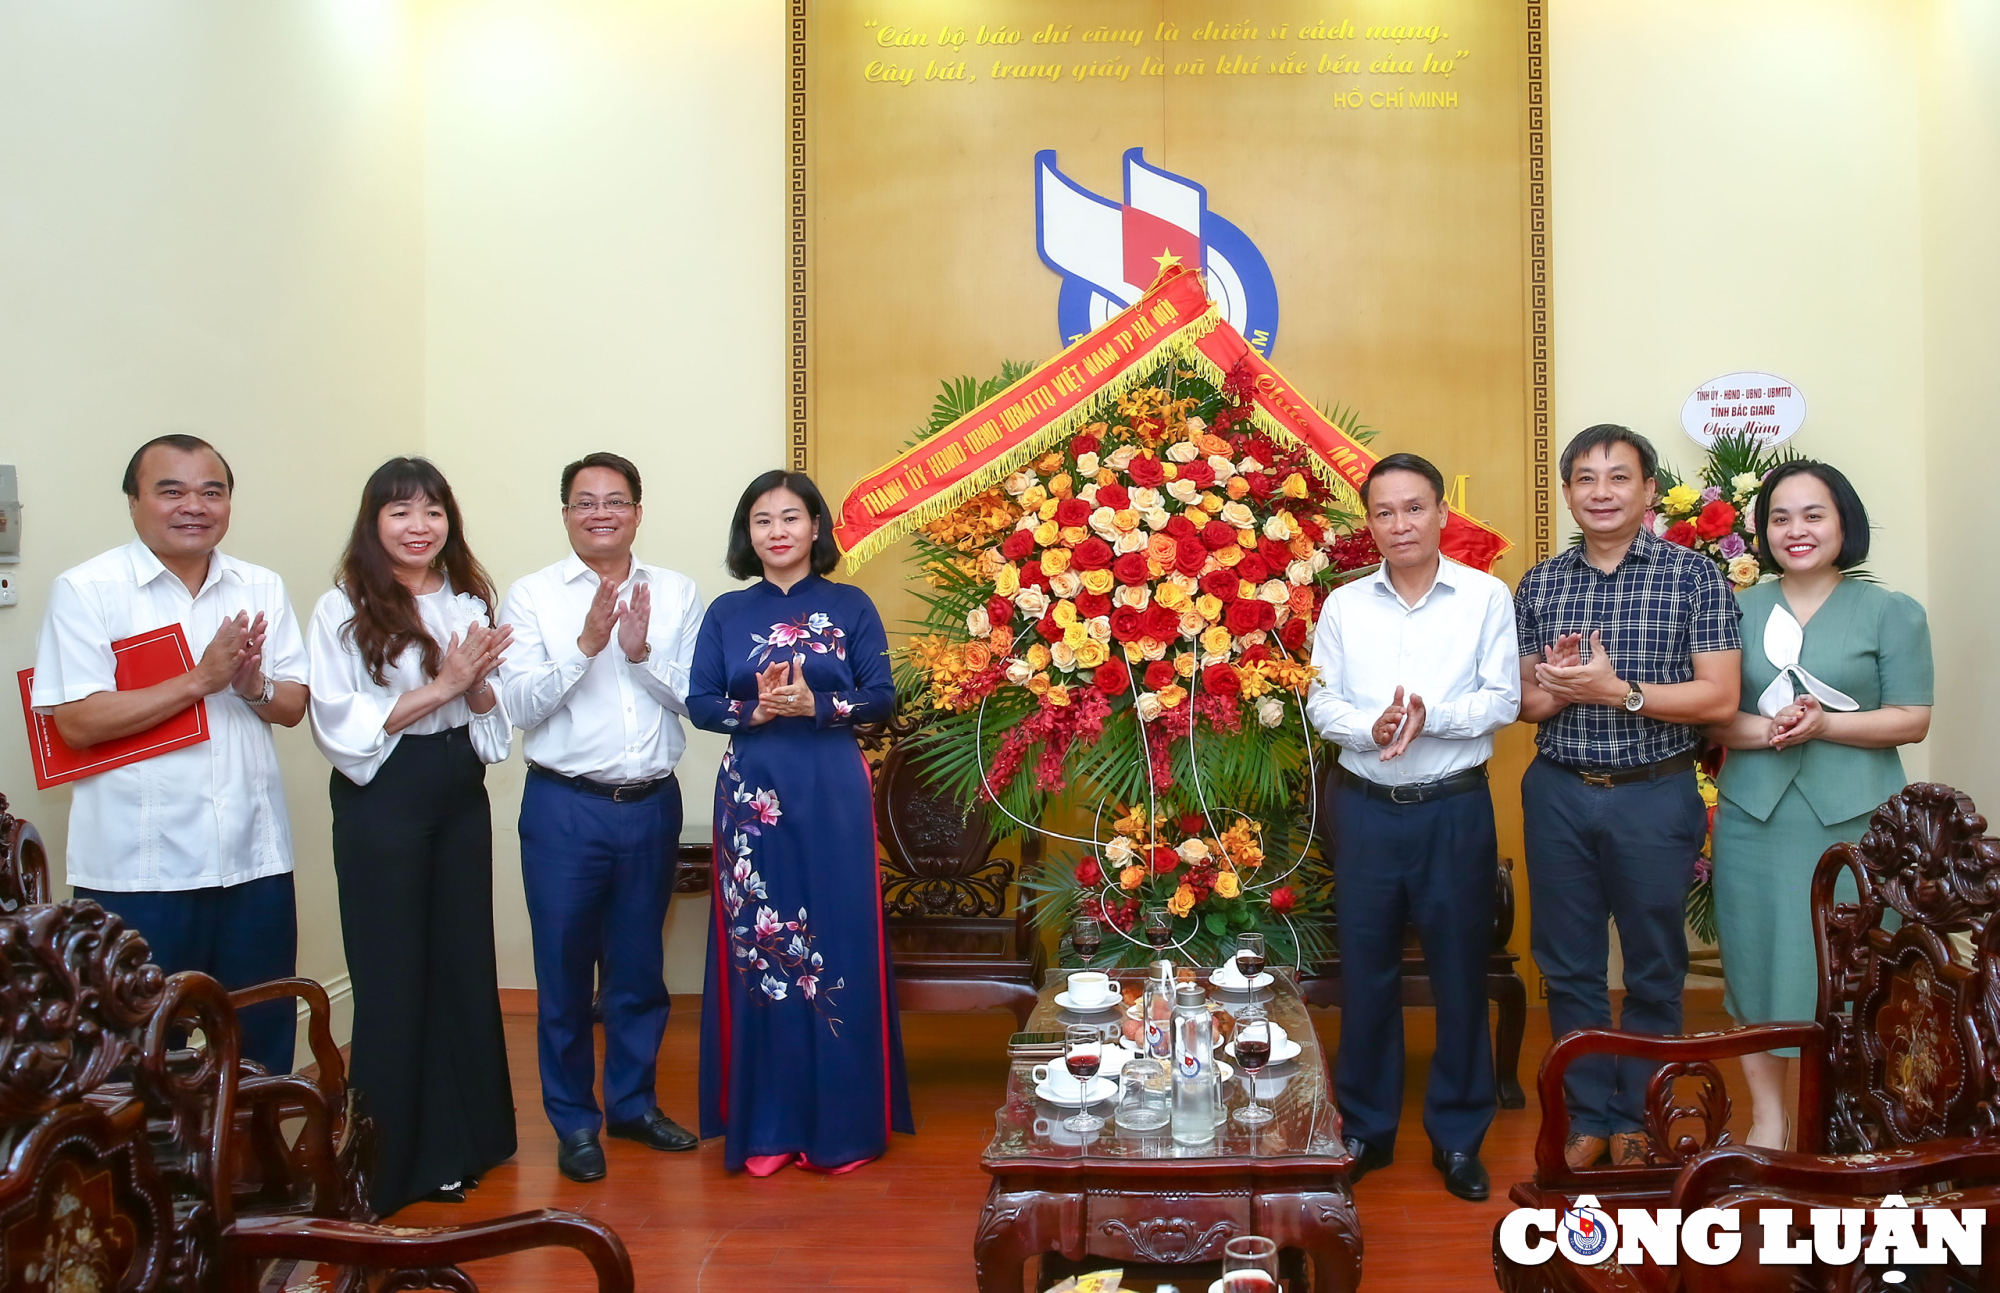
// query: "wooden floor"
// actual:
[[906, 1222]]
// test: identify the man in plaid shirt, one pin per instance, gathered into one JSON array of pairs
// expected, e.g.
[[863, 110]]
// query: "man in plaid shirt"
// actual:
[[1629, 646]]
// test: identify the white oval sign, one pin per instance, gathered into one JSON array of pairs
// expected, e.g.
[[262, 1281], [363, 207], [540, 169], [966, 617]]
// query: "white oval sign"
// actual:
[[1759, 404]]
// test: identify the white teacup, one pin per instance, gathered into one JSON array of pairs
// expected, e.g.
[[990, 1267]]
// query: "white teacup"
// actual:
[[1091, 988], [1059, 1081]]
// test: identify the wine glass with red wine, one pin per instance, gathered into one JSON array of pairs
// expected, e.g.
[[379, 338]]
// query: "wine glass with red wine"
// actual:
[[1083, 1054], [1159, 926], [1250, 1265], [1250, 955], [1086, 936], [1253, 1052]]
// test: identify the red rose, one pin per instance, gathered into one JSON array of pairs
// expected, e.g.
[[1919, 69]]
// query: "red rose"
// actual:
[[1032, 576], [1681, 532], [1145, 472], [1190, 555], [1164, 859], [1261, 448], [1199, 472], [1262, 485], [1092, 605], [1017, 545], [1309, 525], [1162, 625], [1113, 497], [1267, 616], [1112, 677], [1222, 680], [1089, 874], [999, 610], [1159, 674], [1253, 569], [1283, 899], [1220, 584], [1241, 617], [1293, 635], [1181, 527], [1072, 511], [1131, 569], [1049, 629], [1717, 519], [1254, 654], [1092, 554], [1217, 535], [1127, 624], [1276, 555], [1190, 823], [1083, 444]]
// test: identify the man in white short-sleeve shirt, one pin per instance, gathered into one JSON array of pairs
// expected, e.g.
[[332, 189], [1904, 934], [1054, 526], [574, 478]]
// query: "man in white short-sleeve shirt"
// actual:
[[193, 847]]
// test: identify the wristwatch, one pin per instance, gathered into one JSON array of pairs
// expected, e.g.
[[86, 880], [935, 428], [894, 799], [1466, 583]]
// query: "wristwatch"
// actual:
[[1634, 698], [264, 697]]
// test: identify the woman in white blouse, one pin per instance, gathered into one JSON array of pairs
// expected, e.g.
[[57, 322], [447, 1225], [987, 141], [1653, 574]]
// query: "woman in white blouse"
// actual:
[[403, 704]]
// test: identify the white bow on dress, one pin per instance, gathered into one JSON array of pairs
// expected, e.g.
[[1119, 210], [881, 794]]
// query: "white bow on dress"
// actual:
[[1783, 640]]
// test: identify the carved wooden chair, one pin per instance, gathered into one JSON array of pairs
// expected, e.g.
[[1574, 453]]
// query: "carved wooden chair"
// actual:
[[24, 862], [945, 896], [1897, 1073], [87, 1201]]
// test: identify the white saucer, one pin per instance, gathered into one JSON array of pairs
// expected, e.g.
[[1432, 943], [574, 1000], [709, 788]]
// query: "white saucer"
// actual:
[[1068, 1002], [1281, 1053], [1098, 1091], [1241, 984]]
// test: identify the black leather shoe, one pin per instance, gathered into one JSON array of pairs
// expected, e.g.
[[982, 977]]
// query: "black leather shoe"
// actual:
[[1366, 1158], [1464, 1174], [655, 1130], [580, 1157], [452, 1193]]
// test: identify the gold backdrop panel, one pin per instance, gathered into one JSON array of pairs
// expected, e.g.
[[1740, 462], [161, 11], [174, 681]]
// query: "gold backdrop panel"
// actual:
[[1387, 159]]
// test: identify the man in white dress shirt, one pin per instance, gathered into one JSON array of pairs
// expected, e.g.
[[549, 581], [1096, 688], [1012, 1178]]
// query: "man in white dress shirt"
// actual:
[[597, 677], [1417, 670], [192, 848]]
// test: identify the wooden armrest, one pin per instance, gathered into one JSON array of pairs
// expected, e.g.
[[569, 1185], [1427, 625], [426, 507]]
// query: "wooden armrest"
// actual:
[[351, 1243], [1962, 1161], [316, 1148], [332, 1070], [1683, 1048]]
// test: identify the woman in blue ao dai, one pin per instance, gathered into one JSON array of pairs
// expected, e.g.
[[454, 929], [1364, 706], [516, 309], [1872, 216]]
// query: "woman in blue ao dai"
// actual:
[[801, 1055]]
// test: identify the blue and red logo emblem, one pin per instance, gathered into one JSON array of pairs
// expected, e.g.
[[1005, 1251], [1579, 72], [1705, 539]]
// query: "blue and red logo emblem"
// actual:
[[1109, 252]]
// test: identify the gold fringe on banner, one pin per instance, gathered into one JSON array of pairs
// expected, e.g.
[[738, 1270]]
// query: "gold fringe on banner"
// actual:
[[1342, 488]]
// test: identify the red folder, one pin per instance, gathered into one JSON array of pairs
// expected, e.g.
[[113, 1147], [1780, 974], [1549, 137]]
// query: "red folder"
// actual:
[[143, 660]]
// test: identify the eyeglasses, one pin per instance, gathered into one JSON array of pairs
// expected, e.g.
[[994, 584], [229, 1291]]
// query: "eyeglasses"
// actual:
[[615, 506]]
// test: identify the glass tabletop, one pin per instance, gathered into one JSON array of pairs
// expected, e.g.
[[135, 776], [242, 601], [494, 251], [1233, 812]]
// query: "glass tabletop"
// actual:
[[1306, 1124]]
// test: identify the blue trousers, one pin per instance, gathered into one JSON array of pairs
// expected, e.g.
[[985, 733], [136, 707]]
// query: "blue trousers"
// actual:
[[598, 875], [1430, 865], [1596, 855], [240, 935]]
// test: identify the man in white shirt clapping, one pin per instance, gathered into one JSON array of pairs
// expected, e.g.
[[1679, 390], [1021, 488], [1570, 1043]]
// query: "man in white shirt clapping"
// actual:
[[597, 677], [193, 847], [1417, 670]]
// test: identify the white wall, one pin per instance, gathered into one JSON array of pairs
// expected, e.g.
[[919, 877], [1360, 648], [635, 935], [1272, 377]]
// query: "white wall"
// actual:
[[1961, 194], [604, 246], [209, 222]]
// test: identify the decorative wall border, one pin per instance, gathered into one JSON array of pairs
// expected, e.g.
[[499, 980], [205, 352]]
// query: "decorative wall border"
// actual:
[[798, 183], [1541, 439]]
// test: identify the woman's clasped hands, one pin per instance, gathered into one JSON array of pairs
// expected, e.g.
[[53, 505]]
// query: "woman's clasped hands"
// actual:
[[782, 692], [1801, 721], [468, 660]]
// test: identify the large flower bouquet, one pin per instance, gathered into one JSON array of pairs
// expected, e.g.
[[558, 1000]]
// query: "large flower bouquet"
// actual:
[[1115, 653]]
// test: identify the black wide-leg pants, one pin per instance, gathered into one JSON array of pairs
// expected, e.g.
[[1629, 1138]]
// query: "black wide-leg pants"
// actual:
[[413, 850]]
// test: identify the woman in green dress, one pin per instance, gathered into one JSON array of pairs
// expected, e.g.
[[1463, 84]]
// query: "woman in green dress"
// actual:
[[1836, 675]]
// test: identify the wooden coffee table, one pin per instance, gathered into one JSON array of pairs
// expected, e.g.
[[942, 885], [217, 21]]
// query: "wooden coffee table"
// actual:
[[1127, 1196]]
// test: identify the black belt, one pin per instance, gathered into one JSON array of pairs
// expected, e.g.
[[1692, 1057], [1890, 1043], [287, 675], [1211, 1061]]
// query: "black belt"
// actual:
[[629, 793], [1418, 792], [1605, 778]]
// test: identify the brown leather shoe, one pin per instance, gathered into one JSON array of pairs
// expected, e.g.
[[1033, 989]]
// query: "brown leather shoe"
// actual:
[[1581, 1151], [1630, 1149]]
